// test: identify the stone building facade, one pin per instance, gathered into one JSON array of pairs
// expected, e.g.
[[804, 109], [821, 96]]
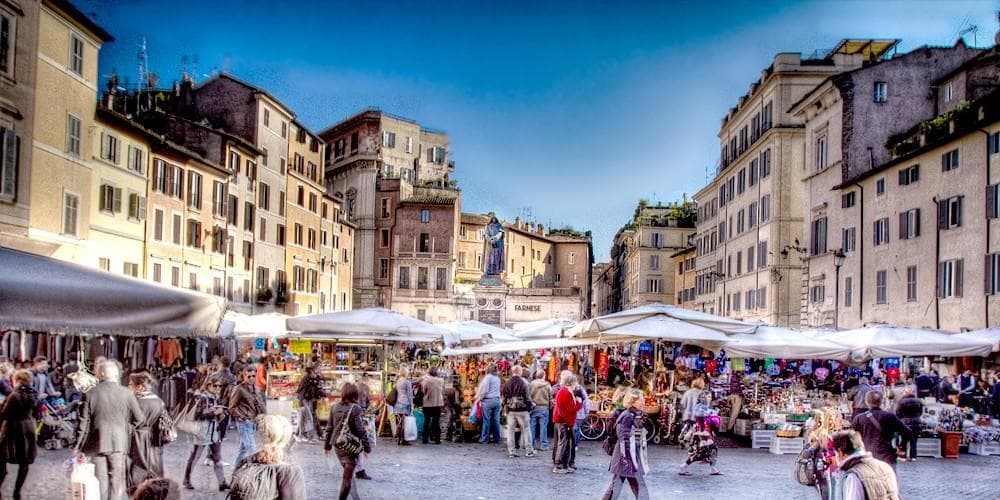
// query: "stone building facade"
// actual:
[[684, 276]]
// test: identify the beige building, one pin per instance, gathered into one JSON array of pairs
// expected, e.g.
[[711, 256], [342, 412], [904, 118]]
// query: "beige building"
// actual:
[[20, 24], [641, 254], [749, 216], [684, 262], [601, 289], [336, 258], [61, 190], [846, 133], [305, 209]]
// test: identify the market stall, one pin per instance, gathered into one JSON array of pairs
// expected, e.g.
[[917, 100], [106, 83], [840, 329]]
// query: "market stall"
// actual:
[[543, 329], [468, 333]]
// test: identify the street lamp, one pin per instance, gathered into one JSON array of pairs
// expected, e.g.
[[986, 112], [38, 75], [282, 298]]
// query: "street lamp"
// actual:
[[838, 260]]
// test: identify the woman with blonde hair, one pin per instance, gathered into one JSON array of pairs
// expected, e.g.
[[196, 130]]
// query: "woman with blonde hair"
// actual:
[[690, 399], [820, 449], [265, 475], [628, 461], [404, 403]]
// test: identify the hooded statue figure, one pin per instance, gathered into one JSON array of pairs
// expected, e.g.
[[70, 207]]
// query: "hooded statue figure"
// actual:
[[494, 247]]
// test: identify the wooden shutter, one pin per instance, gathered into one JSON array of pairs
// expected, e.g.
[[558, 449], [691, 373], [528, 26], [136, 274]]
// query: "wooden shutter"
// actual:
[[8, 169], [958, 216], [942, 214], [903, 177], [958, 276], [942, 272], [903, 225], [916, 223], [991, 201], [133, 205], [915, 173], [118, 200], [988, 273], [944, 162]]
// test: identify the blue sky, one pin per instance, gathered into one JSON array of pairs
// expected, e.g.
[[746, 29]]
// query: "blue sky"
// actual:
[[569, 111]]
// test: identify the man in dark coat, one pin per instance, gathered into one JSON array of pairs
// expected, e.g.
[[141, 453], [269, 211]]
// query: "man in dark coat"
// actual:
[[17, 429], [925, 384], [877, 428], [109, 413]]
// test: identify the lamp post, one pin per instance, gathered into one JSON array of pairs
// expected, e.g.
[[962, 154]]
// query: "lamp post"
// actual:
[[838, 260]]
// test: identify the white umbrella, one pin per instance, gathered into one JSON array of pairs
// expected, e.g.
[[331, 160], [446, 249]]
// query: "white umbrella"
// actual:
[[618, 320], [44, 294], [881, 341], [520, 345], [368, 324], [778, 342], [991, 335], [543, 329], [266, 325], [472, 330]]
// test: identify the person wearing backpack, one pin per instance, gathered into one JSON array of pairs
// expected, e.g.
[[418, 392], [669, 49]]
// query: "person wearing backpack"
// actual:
[[628, 457], [878, 427], [145, 456], [517, 400], [346, 426]]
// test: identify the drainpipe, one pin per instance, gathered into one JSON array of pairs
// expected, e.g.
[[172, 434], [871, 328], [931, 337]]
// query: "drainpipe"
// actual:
[[986, 302], [937, 266], [860, 249]]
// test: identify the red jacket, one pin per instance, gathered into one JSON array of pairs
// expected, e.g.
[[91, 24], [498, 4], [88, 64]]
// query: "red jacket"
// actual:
[[566, 407]]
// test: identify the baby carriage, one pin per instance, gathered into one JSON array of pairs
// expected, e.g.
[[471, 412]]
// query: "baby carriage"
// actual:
[[58, 422]]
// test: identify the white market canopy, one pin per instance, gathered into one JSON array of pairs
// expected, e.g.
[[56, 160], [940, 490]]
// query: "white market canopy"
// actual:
[[520, 345], [543, 329], [373, 323], [266, 325], [459, 331], [45, 294], [659, 321], [991, 335], [778, 342], [882, 341]]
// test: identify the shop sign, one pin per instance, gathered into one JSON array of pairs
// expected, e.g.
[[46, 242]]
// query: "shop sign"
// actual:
[[528, 308], [300, 346], [260, 344]]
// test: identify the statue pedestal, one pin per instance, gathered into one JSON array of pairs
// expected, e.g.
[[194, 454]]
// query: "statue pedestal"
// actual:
[[491, 301]]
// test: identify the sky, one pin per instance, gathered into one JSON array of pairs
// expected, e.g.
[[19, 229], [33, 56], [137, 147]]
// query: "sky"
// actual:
[[561, 112]]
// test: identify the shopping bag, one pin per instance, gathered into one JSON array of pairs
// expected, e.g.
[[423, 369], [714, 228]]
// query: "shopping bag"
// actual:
[[479, 411], [83, 482], [188, 424], [410, 428]]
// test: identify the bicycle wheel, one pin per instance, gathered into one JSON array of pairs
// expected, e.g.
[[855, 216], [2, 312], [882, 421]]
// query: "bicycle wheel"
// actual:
[[650, 426], [593, 428]]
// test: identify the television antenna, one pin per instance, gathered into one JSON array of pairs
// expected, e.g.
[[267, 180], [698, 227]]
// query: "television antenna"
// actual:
[[143, 65]]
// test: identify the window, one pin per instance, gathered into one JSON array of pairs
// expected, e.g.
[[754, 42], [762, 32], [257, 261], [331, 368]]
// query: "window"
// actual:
[[136, 206], [848, 291], [909, 175], [194, 190], [950, 278], [909, 224], [761, 297], [880, 187], [750, 295], [175, 276], [404, 277], [111, 199], [312, 239], [911, 283], [281, 165], [880, 287], [338, 149], [441, 280], [281, 203], [881, 232], [136, 159], [284, 130], [280, 235], [653, 286], [354, 142], [750, 258], [385, 208], [765, 162], [880, 91], [130, 269], [75, 54], [654, 262], [847, 200], [949, 92], [7, 39], [263, 229], [389, 139], [425, 243], [994, 143], [158, 225], [110, 148], [741, 181], [73, 131], [425, 216], [263, 278], [325, 210], [264, 202], [312, 202], [950, 213], [821, 152], [71, 211], [752, 215], [384, 238], [383, 269], [298, 234], [818, 237], [993, 273], [248, 217], [176, 182], [193, 233], [267, 117], [435, 155], [157, 272], [233, 208], [949, 161], [761, 254], [159, 176], [765, 208], [753, 172], [849, 239], [572, 258], [423, 275], [993, 201], [177, 229], [104, 263]]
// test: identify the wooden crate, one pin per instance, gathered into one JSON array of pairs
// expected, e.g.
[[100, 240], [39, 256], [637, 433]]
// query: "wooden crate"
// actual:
[[785, 446], [761, 438], [985, 449], [929, 447]]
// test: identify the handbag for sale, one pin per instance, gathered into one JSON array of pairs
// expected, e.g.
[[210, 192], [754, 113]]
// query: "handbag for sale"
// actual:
[[347, 442], [82, 379]]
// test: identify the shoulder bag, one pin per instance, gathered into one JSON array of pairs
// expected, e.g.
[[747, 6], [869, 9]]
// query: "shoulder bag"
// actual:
[[807, 469], [347, 442]]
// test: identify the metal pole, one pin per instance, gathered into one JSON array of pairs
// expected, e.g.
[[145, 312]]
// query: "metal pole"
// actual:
[[836, 297]]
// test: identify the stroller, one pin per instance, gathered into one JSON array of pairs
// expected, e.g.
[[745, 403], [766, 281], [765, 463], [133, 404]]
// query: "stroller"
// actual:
[[57, 423]]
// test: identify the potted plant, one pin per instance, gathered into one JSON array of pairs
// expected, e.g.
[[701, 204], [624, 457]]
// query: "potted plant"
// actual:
[[282, 297], [264, 295]]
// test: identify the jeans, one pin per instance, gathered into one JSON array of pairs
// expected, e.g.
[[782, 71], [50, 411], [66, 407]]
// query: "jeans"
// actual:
[[22, 474], [518, 420], [110, 471], [540, 427], [910, 446], [248, 447], [564, 452], [491, 421], [576, 432], [214, 454], [432, 424]]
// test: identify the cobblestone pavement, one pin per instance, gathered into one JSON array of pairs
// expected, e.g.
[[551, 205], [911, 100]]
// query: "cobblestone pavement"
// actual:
[[476, 472]]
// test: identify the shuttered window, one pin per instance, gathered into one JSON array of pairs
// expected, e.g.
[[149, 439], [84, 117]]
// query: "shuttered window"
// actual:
[[950, 277], [8, 168]]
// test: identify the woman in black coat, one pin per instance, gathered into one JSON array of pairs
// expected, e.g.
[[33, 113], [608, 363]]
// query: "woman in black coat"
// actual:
[[909, 409], [145, 456], [17, 429], [347, 408]]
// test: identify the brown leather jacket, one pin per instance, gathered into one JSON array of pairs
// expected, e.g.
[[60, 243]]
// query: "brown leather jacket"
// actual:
[[245, 402]]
